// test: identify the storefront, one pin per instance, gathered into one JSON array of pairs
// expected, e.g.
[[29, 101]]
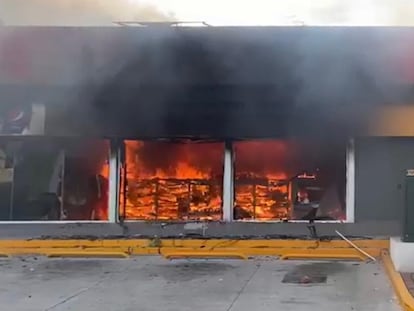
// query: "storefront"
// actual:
[[194, 139], [72, 179]]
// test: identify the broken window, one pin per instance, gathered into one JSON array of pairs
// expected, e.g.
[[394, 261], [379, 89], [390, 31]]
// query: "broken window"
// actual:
[[287, 179], [86, 184], [45, 179], [172, 181]]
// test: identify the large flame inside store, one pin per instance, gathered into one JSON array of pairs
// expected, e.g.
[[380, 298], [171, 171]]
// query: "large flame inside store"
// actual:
[[172, 181], [274, 180]]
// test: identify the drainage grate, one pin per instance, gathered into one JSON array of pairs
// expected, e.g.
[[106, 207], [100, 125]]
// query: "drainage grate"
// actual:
[[295, 277]]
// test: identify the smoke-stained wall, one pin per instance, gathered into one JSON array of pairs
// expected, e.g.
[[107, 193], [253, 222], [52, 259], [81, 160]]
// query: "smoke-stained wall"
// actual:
[[392, 121]]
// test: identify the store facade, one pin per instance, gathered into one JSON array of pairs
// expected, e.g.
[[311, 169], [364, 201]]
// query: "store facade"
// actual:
[[176, 132]]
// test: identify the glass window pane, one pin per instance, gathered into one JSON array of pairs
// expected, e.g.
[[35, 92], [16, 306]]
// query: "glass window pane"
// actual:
[[86, 174], [45, 179]]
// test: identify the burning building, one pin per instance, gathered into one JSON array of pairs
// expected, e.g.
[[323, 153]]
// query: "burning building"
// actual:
[[248, 130]]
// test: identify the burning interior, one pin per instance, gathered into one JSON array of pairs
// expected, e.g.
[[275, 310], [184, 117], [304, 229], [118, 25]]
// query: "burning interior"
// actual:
[[273, 180], [172, 181], [276, 180], [44, 179], [286, 179]]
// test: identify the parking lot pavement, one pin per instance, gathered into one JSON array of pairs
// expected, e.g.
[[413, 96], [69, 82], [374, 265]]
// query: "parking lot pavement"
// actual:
[[155, 284]]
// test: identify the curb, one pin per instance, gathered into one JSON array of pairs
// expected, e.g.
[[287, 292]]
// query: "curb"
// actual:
[[283, 249], [404, 296]]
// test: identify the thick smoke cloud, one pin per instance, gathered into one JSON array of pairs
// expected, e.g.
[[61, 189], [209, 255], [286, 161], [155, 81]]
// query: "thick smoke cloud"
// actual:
[[65, 66], [260, 82], [208, 82]]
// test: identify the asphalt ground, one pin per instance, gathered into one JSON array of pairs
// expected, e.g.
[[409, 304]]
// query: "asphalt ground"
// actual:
[[154, 284]]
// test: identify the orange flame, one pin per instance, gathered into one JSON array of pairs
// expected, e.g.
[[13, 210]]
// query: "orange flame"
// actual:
[[262, 186], [101, 207], [178, 190], [168, 181]]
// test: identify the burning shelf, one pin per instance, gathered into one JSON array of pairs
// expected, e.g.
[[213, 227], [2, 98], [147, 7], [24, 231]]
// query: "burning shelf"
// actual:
[[261, 198], [173, 199], [172, 181], [183, 181]]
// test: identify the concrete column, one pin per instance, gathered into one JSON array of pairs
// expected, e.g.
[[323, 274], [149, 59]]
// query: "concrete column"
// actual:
[[228, 182], [350, 181], [114, 179]]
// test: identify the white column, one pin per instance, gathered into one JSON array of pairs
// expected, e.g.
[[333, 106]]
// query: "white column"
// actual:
[[228, 182], [350, 181], [114, 178]]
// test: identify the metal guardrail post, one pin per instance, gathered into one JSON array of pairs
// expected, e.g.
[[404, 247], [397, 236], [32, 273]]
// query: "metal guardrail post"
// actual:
[[408, 222]]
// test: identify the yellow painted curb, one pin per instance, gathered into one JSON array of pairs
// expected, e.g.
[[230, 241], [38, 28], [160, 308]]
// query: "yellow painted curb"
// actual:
[[88, 254], [404, 296], [185, 254], [191, 243], [323, 255], [336, 249]]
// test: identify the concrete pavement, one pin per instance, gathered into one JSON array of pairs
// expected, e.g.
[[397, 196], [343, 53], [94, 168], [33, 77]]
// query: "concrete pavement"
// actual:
[[155, 284]]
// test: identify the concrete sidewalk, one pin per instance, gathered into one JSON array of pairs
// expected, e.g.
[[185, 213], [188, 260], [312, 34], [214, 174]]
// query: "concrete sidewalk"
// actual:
[[155, 284]]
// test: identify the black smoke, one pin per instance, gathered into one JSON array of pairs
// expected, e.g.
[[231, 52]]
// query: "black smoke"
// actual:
[[251, 82], [212, 82]]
